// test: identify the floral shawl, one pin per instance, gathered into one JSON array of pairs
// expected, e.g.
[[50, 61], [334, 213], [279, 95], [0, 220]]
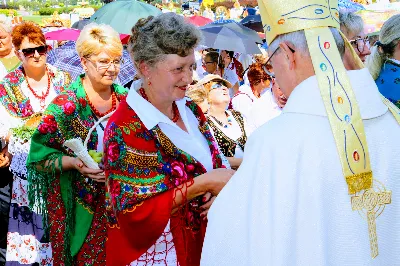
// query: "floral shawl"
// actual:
[[388, 82], [73, 205], [12, 98], [143, 167]]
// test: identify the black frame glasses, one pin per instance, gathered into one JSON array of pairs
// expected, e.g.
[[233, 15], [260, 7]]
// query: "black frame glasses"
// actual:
[[358, 43], [269, 59], [204, 63], [29, 52]]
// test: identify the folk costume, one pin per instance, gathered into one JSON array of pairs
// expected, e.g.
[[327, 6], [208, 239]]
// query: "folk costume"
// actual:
[[73, 206], [319, 184], [147, 157], [231, 138], [388, 81], [26, 240]]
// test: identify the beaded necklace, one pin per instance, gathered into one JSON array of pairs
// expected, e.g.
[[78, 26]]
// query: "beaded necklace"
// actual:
[[97, 112], [175, 110], [44, 94], [222, 124]]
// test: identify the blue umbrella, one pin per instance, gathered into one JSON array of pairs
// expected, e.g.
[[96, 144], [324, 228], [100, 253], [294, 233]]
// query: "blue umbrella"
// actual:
[[253, 22], [66, 58], [350, 6]]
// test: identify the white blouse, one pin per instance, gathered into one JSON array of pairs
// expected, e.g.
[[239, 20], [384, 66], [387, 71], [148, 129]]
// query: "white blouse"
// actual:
[[193, 142], [8, 121]]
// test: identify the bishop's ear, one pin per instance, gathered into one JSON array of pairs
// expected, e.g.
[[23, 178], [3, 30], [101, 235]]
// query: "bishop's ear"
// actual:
[[289, 54]]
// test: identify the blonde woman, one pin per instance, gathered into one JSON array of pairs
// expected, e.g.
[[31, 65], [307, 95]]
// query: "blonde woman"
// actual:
[[228, 126], [73, 193], [384, 61]]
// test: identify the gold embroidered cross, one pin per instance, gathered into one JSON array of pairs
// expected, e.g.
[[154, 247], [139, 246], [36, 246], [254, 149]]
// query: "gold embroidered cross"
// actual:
[[370, 201]]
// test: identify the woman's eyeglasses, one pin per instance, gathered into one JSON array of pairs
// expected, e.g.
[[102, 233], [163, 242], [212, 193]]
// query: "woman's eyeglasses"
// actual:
[[104, 64], [29, 52], [360, 43]]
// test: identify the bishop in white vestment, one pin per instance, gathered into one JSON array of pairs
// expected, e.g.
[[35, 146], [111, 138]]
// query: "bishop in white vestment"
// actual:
[[319, 184], [288, 202]]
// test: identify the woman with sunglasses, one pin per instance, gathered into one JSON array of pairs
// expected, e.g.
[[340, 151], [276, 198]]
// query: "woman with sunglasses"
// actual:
[[70, 193], [228, 126], [24, 95]]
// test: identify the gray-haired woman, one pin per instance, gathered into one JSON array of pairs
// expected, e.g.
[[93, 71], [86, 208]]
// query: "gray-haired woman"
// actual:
[[161, 160], [384, 61], [352, 26]]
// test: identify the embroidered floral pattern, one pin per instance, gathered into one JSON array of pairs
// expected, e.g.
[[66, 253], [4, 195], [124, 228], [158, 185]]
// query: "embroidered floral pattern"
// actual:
[[25, 249], [11, 96], [69, 116], [158, 165]]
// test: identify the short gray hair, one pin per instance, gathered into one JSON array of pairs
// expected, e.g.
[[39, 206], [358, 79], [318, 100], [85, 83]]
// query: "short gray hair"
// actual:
[[389, 38], [298, 39], [350, 23], [5, 23], [154, 37]]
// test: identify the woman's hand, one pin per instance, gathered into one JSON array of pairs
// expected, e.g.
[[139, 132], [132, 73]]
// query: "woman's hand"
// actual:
[[209, 199], [95, 174], [216, 179]]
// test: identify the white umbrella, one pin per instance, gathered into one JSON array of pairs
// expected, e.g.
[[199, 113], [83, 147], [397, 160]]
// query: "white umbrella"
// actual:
[[231, 36]]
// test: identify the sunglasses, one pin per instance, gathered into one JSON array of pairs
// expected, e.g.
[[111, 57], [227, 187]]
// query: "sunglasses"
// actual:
[[217, 86], [29, 52]]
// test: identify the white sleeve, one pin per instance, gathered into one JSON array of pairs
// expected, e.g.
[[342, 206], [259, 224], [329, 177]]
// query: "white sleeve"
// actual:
[[242, 103], [251, 122], [6, 123]]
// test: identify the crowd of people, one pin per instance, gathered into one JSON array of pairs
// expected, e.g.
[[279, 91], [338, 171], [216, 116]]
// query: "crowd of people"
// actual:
[[209, 156]]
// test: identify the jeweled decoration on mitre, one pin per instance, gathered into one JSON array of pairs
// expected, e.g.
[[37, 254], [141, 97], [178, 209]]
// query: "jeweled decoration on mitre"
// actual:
[[286, 16]]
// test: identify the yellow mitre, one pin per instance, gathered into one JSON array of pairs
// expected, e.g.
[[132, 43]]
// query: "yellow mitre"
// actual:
[[285, 16]]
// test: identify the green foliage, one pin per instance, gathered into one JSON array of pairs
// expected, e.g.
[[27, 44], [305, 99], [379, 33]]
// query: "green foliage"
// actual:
[[46, 11], [9, 12]]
